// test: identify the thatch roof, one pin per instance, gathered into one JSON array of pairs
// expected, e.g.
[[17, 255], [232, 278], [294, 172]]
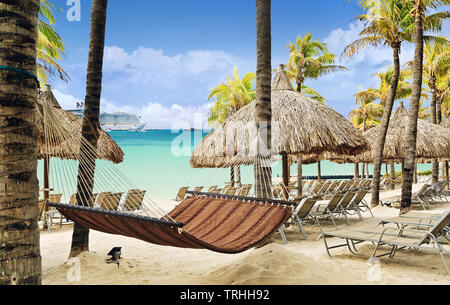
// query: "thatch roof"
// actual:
[[299, 125], [70, 124], [433, 141]]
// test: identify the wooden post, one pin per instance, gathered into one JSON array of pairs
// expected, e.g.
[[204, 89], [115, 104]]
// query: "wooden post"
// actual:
[[367, 171], [46, 180], [285, 167], [415, 173], [319, 172], [363, 170], [356, 174], [446, 170], [299, 175], [46, 190]]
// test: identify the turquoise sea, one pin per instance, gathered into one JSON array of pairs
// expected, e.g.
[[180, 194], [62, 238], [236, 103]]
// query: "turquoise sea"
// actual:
[[158, 161]]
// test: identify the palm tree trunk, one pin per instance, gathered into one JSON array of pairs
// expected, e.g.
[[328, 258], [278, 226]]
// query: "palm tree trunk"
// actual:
[[435, 163], [263, 107], [438, 111], [379, 146], [392, 174], [299, 175], [91, 125], [411, 132], [20, 258]]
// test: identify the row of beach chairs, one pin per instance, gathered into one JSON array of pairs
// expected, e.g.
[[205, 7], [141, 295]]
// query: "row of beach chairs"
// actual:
[[321, 189], [243, 190], [427, 196], [341, 204], [111, 201]]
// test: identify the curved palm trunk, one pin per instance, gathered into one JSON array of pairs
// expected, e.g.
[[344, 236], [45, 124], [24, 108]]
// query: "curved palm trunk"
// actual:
[[411, 132], [20, 258], [263, 111], [435, 163], [91, 125], [379, 146]]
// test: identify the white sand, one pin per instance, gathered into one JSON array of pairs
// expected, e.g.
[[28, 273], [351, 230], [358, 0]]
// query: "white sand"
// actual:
[[299, 262]]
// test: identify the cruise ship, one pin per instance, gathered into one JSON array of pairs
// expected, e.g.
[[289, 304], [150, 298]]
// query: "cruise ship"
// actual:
[[114, 121]]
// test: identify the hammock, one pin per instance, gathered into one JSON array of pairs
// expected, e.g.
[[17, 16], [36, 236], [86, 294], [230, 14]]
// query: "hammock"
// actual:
[[224, 225], [221, 223]]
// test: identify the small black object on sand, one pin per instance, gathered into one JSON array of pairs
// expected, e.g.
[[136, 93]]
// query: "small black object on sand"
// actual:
[[115, 254]]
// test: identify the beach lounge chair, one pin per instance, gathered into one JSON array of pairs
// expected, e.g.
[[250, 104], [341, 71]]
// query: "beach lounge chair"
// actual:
[[303, 214], [230, 191], [328, 210], [358, 203], [316, 188], [212, 188], [181, 193], [111, 201], [41, 206], [343, 207], [394, 237], [133, 200], [244, 191]]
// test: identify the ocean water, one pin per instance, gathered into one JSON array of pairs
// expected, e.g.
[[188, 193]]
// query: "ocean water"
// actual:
[[158, 161]]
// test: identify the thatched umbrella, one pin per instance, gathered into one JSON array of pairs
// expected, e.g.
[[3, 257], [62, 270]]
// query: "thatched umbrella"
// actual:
[[433, 141], [107, 149], [446, 123], [300, 125]]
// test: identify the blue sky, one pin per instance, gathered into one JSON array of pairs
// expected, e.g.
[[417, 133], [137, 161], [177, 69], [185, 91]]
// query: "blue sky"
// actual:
[[162, 57]]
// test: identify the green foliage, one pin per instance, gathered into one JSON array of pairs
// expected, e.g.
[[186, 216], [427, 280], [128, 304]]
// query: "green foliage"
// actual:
[[310, 59], [425, 173], [230, 96], [50, 46]]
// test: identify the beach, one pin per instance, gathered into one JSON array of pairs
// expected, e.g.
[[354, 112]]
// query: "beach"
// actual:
[[299, 262]]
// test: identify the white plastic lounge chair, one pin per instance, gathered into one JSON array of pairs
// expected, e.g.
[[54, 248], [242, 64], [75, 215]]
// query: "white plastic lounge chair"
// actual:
[[394, 237]]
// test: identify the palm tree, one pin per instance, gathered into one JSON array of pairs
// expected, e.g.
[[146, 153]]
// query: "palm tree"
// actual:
[[436, 64], [231, 96], [50, 46], [91, 125], [384, 24], [420, 24], [263, 107], [309, 58], [385, 81], [20, 258], [366, 115]]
